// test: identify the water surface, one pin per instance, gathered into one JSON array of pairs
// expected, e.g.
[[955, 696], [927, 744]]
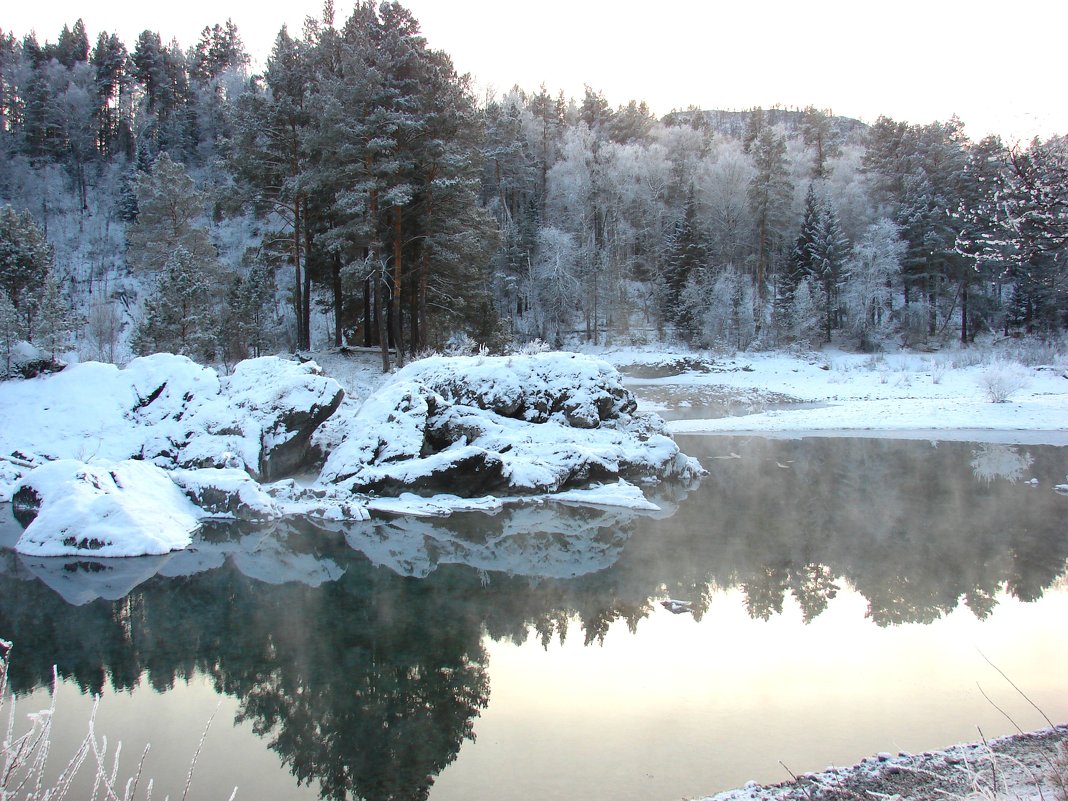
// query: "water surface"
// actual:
[[842, 595]]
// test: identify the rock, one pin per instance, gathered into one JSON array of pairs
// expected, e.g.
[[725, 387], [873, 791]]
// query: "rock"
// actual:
[[226, 493], [289, 400], [128, 508], [520, 425]]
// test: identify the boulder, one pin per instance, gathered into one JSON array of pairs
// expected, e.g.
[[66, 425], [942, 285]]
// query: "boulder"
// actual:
[[128, 508], [518, 425]]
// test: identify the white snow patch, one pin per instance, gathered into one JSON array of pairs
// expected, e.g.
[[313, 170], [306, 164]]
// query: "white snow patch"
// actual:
[[128, 508]]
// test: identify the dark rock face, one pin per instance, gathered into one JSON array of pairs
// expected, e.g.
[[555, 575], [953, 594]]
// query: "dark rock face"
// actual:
[[223, 502], [292, 431], [512, 425], [25, 504], [36, 367], [475, 472]]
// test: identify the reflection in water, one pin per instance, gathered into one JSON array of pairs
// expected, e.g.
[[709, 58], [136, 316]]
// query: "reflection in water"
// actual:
[[358, 652], [990, 461]]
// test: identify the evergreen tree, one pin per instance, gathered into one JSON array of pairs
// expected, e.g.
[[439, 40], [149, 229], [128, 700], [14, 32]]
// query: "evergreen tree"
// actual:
[[10, 329], [25, 261], [169, 209], [686, 254], [818, 133], [56, 322], [271, 165], [182, 316], [769, 201]]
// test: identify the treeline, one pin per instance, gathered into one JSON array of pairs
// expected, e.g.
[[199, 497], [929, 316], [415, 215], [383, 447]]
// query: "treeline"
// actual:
[[357, 192]]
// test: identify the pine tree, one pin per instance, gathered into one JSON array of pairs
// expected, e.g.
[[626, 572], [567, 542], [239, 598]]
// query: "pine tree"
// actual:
[[271, 164], [10, 329], [182, 316], [56, 321], [769, 201], [686, 254], [169, 208], [25, 261]]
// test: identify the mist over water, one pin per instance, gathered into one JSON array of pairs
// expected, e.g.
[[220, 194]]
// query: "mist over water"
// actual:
[[838, 595]]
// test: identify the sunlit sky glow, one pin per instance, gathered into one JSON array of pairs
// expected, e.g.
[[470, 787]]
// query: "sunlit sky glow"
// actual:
[[997, 66]]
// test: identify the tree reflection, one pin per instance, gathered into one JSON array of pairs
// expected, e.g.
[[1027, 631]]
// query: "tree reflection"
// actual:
[[358, 652]]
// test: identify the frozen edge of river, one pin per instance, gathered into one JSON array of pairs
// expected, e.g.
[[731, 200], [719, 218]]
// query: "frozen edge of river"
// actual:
[[1032, 766]]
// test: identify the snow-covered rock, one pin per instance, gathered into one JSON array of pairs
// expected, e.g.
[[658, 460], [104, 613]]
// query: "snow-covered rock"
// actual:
[[168, 410], [128, 508], [226, 493], [520, 424]]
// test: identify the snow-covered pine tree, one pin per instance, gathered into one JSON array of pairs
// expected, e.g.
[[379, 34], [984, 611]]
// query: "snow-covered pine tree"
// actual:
[[182, 316], [10, 330], [169, 209], [686, 255], [56, 321], [25, 261]]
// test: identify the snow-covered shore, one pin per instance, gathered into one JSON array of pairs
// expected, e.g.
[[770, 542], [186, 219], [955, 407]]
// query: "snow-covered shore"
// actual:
[[1025, 767], [98, 460], [836, 393]]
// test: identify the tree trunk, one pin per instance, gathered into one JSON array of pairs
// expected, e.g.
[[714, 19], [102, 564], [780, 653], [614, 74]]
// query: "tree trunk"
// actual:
[[398, 275], [964, 311], [368, 319], [298, 303], [380, 314], [338, 300]]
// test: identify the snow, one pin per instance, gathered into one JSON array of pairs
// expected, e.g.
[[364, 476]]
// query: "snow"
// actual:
[[1027, 767], [189, 444], [447, 435], [900, 395], [522, 424], [163, 408], [105, 510]]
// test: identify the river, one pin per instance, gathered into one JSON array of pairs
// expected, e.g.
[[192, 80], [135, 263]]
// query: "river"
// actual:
[[838, 598]]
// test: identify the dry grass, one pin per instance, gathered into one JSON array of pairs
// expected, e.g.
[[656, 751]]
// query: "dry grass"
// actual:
[[25, 772]]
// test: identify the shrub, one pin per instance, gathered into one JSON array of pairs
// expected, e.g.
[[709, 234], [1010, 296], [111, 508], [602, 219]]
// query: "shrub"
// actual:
[[1001, 380]]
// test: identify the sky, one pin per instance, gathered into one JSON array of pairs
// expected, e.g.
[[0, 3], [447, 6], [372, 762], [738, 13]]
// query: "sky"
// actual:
[[999, 67]]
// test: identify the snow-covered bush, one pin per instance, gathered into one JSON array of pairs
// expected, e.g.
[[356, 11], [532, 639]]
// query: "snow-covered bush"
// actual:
[[1001, 380]]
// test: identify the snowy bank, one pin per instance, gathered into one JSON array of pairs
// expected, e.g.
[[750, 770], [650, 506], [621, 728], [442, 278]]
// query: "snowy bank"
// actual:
[[1023, 767], [903, 395]]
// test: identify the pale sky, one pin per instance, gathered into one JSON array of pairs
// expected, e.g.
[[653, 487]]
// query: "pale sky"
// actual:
[[999, 66]]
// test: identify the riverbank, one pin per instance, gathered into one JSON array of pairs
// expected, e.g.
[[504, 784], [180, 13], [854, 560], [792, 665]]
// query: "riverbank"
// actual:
[[1033, 765], [962, 395]]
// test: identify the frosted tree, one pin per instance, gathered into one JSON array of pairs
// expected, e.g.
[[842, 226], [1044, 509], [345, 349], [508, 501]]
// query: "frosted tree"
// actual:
[[10, 330], [769, 195], [557, 282], [182, 316], [807, 313], [56, 321], [25, 261], [169, 210], [818, 133], [728, 298], [872, 271], [25, 255], [722, 181], [686, 255]]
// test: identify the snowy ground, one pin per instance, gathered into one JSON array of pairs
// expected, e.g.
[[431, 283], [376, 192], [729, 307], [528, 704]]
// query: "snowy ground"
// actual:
[[1025, 767], [836, 393]]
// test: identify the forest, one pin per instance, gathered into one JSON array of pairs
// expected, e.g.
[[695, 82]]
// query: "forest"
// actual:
[[356, 192]]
